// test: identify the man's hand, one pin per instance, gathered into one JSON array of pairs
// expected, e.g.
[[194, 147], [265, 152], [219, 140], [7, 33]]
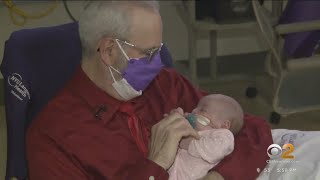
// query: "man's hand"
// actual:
[[179, 110], [212, 175], [165, 138]]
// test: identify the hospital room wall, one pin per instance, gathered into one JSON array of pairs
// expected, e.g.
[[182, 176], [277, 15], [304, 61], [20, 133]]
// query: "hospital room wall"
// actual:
[[175, 32]]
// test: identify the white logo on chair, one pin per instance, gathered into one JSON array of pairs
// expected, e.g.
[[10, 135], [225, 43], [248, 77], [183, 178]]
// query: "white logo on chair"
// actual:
[[19, 91]]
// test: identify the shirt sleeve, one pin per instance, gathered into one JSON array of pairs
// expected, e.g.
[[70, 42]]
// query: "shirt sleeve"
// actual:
[[46, 160], [144, 170], [213, 145], [60, 164]]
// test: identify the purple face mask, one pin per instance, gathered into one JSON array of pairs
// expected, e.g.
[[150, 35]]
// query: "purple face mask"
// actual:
[[140, 72]]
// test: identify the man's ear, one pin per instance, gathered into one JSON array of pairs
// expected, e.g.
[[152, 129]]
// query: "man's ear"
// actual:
[[226, 124], [106, 51]]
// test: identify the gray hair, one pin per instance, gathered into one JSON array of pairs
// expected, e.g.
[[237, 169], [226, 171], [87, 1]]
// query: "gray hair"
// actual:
[[107, 18]]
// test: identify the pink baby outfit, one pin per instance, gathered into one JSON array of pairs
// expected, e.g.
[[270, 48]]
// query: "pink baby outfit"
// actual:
[[202, 155]]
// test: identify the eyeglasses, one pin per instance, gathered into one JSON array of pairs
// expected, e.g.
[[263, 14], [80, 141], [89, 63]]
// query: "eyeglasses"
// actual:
[[148, 52]]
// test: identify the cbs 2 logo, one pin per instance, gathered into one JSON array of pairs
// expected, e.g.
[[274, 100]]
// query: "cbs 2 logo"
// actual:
[[275, 151]]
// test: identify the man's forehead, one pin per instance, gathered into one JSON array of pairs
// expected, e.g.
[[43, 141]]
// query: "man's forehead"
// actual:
[[148, 40], [146, 28]]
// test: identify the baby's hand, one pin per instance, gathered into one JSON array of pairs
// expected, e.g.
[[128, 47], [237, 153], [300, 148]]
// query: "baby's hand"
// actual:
[[184, 143], [179, 110]]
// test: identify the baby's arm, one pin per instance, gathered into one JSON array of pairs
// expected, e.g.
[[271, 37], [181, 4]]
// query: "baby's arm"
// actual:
[[213, 145]]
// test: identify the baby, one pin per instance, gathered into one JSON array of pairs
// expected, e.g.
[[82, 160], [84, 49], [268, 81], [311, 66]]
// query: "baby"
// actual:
[[217, 118]]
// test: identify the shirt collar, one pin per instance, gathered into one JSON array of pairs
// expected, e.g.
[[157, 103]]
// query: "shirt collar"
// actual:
[[92, 95]]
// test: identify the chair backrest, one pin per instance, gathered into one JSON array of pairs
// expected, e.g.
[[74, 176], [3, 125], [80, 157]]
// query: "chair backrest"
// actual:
[[36, 64], [301, 44]]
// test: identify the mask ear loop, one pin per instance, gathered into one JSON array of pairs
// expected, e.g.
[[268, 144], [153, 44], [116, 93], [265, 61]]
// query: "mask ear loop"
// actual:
[[122, 50], [114, 69], [114, 80]]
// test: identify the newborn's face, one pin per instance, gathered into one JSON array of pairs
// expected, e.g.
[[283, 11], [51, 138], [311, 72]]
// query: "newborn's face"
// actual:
[[206, 120], [205, 110]]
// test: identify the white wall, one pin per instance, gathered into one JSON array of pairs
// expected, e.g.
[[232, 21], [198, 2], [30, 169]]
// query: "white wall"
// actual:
[[175, 32]]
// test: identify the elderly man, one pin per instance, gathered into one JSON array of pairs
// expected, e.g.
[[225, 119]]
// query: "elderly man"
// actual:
[[107, 122]]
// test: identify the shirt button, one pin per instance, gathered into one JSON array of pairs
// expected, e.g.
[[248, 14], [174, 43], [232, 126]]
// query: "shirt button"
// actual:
[[151, 178]]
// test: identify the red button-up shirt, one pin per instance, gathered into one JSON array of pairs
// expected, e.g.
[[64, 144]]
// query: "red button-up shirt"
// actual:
[[74, 138]]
